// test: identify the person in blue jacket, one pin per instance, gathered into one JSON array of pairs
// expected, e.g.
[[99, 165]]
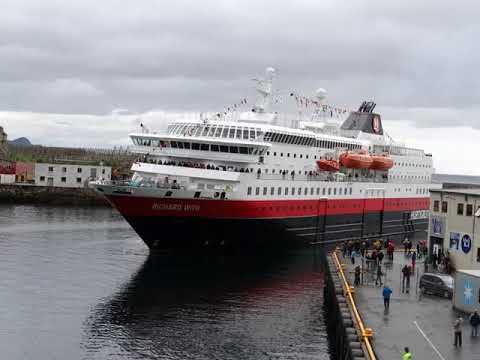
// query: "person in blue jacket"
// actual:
[[387, 292]]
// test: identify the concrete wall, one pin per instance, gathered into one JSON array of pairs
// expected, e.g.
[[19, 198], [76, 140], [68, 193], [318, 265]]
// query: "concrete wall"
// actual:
[[7, 179], [70, 176], [460, 233], [49, 195]]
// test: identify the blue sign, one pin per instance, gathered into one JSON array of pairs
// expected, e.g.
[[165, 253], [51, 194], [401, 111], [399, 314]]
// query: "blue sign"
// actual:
[[466, 243], [467, 292], [437, 226], [454, 240]]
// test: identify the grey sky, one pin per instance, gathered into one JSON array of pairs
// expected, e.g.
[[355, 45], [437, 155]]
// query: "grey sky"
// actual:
[[95, 56], [65, 66]]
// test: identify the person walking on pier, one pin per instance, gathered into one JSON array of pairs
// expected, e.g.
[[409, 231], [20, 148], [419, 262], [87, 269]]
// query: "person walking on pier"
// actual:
[[379, 275], [457, 329], [407, 355], [406, 278], [387, 292], [357, 275], [475, 321], [414, 259], [390, 250]]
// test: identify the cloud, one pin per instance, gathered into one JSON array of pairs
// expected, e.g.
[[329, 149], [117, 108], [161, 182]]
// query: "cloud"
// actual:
[[66, 65], [199, 55]]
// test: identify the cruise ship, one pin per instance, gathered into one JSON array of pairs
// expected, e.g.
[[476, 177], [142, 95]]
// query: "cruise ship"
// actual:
[[254, 178]]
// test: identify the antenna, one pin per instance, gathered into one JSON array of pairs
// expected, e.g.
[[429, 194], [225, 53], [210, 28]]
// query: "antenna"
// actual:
[[264, 88]]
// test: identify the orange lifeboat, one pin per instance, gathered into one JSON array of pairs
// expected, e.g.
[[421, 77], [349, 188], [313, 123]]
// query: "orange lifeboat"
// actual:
[[381, 162], [328, 165], [357, 160]]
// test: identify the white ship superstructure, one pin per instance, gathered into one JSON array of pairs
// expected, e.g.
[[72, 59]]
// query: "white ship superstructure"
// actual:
[[224, 180]]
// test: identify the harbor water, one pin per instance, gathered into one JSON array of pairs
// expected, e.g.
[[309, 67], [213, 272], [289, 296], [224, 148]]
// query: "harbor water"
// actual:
[[78, 283]]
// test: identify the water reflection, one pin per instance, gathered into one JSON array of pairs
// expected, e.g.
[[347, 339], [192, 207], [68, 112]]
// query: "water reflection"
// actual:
[[213, 307]]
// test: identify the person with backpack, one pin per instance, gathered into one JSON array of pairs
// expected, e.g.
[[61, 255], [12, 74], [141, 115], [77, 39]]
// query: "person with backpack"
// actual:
[[475, 321]]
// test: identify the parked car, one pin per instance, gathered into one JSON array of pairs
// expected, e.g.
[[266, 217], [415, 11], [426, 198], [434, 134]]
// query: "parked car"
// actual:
[[437, 284]]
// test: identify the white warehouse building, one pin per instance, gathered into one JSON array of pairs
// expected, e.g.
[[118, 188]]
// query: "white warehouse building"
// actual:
[[71, 176]]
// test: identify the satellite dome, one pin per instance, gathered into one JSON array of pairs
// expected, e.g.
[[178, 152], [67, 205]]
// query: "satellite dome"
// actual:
[[270, 72], [321, 93]]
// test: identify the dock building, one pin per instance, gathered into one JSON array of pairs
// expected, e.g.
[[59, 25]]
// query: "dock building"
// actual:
[[455, 226], [69, 175]]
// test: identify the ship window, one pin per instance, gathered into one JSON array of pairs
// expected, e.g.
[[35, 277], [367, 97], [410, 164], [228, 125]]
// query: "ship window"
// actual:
[[335, 191], [329, 191], [225, 132], [214, 148], [294, 155], [180, 145], [311, 191], [345, 191], [231, 133], [249, 190], [245, 134], [169, 193], [340, 191], [234, 149], [268, 153], [257, 191], [301, 156], [274, 154], [195, 146], [252, 134], [186, 145], [460, 209], [218, 131], [286, 191], [239, 133], [174, 144], [272, 191], [305, 191], [205, 130], [243, 150], [204, 147], [279, 191], [265, 191], [293, 191], [306, 156], [224, 148], [299, 192], [288, 154], [212, 130], [318, 191]]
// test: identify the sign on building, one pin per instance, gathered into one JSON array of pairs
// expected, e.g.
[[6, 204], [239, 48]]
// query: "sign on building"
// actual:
[[437, 226]]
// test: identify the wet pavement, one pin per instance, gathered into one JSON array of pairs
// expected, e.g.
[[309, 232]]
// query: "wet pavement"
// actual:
[[423, 323]]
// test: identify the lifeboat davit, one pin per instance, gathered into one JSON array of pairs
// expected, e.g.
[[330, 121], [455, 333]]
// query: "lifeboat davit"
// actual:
[[381, 162], [328, 165], [360, 160]]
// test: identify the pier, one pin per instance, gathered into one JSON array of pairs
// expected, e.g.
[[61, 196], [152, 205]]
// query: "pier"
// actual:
[[423, 323]]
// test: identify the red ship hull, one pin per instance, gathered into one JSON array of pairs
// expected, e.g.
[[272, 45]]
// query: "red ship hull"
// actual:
[[186, 224]]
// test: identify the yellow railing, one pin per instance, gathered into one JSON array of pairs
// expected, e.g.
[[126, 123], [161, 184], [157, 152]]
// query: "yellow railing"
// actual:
[[366, 333]]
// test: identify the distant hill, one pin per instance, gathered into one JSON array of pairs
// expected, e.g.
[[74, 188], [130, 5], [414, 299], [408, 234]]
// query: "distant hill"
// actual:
[[22, 141]]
